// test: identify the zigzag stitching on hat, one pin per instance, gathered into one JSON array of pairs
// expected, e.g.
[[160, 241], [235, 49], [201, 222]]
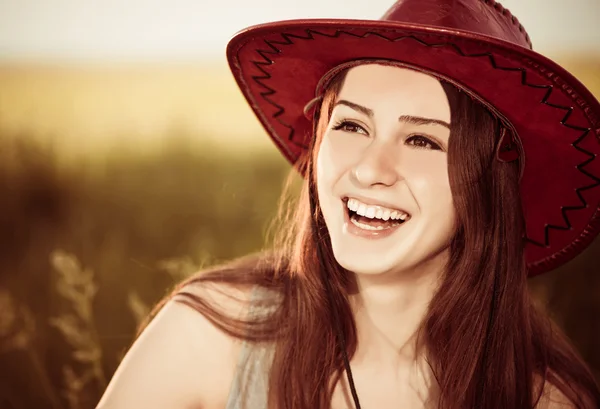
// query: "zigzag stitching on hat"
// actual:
[[274, 50], [563, 122], [580, 167], [578, 192], [258, 79], [310, 36]]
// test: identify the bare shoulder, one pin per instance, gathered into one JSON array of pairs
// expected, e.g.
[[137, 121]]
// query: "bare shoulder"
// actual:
[[553, 398], [180, 360]]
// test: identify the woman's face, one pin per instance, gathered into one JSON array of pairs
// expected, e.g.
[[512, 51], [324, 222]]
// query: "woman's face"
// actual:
[[382, 174]]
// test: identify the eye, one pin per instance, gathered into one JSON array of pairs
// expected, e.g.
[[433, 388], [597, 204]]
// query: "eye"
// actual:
[[348, 126], [422, 142]]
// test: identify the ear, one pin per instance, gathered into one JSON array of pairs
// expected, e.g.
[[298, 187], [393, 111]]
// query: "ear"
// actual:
[[507, 149]]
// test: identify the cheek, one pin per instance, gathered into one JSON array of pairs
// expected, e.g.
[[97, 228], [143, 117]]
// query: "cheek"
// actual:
[[430, 184], [335, 157]]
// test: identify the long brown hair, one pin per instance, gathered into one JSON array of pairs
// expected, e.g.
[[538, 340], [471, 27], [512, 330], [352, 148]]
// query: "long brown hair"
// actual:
[[485, 341]]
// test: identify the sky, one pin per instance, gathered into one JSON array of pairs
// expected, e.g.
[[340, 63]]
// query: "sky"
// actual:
[[132, 30]]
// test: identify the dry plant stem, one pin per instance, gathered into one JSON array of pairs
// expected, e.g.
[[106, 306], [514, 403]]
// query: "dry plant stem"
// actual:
[[74, 387], [77, 286], [18, 334]]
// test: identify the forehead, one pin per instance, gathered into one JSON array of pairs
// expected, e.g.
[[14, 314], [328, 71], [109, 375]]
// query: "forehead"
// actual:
[[407, 92]]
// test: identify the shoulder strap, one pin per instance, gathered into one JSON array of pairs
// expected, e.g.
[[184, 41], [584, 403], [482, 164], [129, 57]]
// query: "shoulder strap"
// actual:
[[250, 385]]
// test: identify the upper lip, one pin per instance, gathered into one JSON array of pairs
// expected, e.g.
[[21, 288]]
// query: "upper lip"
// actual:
[[373, 202]]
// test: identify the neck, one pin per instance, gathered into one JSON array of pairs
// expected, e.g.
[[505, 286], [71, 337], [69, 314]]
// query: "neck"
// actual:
[[388, 311]]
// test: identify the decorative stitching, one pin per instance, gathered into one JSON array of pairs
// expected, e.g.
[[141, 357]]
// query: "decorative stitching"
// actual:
[[310, 35], [506, 12], [494, 5]]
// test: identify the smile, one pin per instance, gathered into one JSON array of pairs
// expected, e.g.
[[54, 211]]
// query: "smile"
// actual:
[[375, 211], [372, 220]]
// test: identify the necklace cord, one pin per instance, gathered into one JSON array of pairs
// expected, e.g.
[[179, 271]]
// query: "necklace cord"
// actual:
[[336, 320], [337, 323], [341, 339]]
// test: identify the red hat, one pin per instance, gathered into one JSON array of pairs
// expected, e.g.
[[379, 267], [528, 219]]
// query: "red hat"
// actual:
[[479, 46]]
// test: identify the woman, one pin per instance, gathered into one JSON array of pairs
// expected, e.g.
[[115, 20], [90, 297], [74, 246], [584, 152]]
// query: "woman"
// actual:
[[444, 162]]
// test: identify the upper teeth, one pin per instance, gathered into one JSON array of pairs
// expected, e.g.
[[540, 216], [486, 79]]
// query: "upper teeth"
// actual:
[[375, 212]]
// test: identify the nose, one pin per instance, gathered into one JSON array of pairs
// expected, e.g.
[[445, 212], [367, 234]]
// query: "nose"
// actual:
[[377, 166]]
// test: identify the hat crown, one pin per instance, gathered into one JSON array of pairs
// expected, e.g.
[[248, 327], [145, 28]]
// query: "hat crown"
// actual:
[[487, 17]]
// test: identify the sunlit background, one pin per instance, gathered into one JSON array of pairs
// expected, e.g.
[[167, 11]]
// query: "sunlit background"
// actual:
[[129, 159]]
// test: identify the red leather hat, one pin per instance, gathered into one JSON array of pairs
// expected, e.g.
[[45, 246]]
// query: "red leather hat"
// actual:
[[479, 46]]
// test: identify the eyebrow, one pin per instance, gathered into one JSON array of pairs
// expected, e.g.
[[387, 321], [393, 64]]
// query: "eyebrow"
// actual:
[[411, 119]]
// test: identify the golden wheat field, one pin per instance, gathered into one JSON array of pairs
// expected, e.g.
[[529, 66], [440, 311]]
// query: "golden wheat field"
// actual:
[[92, 108], [118, 181]]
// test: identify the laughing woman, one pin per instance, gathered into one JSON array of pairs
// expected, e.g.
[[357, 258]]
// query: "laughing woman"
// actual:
[[444, 163]]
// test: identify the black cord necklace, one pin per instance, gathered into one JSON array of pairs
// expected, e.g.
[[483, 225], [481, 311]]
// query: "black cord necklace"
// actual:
[[340, 335], [341, 339], [336, 321], [342, 342]]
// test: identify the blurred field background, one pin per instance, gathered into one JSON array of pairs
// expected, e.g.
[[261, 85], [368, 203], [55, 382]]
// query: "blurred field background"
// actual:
[[117, 180]]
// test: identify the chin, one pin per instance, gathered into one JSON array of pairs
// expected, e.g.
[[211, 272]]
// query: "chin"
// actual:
[[362, 264], [377, 264]]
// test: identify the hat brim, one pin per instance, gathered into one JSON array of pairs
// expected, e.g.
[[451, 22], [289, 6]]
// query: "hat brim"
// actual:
[[278, 67]]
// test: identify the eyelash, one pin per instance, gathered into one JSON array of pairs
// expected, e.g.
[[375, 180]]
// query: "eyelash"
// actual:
[[343, 124]]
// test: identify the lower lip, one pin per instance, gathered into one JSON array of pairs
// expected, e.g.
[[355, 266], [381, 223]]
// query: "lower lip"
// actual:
[[368, 234]]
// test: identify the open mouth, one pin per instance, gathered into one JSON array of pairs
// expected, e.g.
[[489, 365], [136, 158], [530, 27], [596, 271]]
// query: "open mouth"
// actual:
[[373, 218]]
